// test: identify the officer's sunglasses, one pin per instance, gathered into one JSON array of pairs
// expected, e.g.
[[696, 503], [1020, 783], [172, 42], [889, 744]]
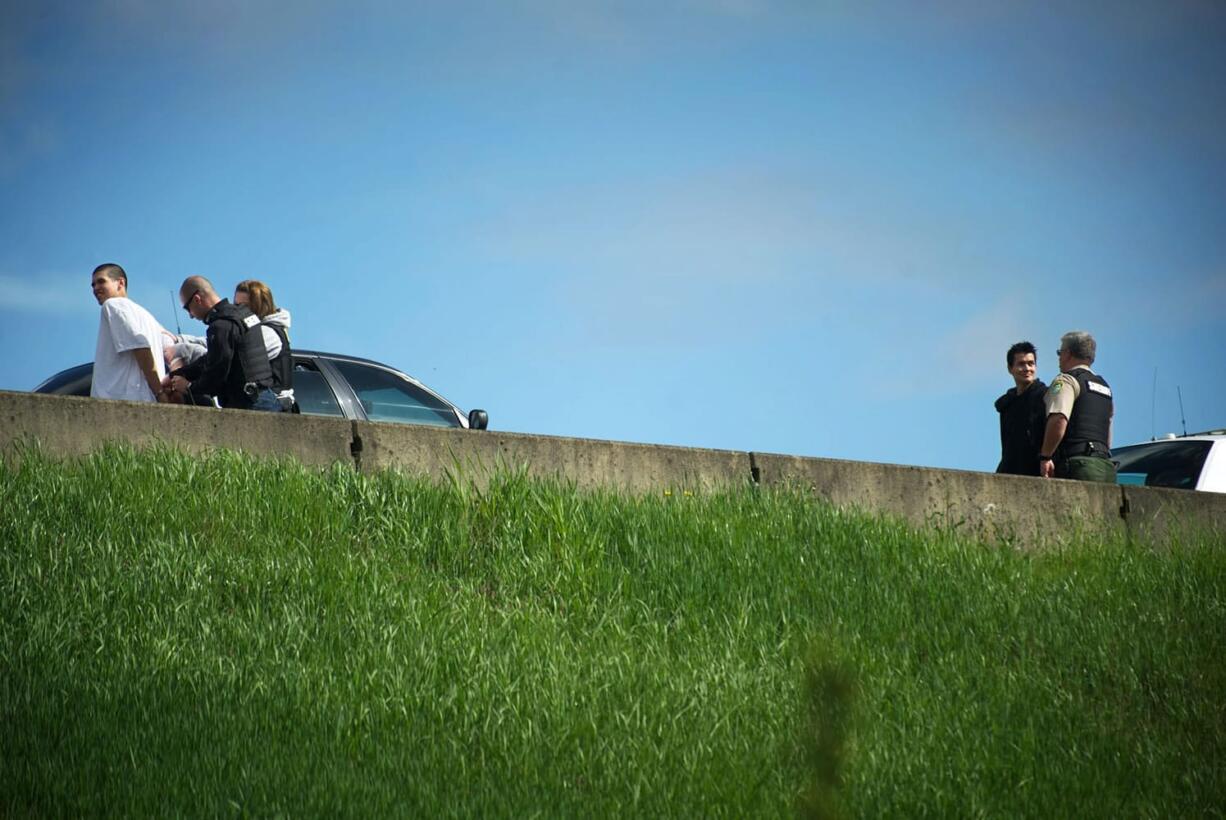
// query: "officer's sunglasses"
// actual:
[[189, 299]]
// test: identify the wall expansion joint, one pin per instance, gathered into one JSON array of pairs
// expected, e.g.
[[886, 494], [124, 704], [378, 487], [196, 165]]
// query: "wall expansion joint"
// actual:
[[355, 447]]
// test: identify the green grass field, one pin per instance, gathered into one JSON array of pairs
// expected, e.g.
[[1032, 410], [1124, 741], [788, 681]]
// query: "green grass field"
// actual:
[[225, 636]]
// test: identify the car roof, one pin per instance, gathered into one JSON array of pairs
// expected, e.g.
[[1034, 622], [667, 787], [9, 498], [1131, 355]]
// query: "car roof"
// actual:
[[1209, 435], [345, 357], [320, 354], [325, 355], [297, 352]]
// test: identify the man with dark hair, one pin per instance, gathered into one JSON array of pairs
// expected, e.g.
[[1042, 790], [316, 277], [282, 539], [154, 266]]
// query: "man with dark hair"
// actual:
[[1080, 409], [235, 368], [1022, 414], [128, 361]]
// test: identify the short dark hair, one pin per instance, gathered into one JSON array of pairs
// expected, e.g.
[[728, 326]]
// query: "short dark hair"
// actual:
[[111, 271], [1020, 347]]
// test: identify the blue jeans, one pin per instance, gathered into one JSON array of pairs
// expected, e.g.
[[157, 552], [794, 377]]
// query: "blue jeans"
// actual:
[[267, 401]]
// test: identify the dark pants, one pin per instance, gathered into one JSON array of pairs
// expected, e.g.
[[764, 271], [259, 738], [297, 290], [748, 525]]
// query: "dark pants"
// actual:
[[1087, 468], [267, 401]]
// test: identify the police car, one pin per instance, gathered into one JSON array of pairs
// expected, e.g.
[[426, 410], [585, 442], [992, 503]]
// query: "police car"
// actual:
[[330, 384], [1190, 462]]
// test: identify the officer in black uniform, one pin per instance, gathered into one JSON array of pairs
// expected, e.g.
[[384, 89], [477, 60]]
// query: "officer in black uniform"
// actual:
[[1080, 407], [1023, 416], [235, 369]]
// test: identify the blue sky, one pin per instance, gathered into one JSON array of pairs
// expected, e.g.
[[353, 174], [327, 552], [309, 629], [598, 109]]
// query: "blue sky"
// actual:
[[807, 228]]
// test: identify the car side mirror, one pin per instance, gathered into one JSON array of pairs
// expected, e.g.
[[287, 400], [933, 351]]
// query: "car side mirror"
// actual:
[[478, 419]]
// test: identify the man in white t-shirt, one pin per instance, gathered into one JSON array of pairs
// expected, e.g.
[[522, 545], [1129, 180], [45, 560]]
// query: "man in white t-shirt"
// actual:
[[128, 361]]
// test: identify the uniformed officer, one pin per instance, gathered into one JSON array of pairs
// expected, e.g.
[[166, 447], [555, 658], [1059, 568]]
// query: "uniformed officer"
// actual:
[[235, 368], [1077, 441]]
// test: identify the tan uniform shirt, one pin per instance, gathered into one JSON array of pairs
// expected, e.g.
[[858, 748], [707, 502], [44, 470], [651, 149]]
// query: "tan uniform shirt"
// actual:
[[1063, 392]]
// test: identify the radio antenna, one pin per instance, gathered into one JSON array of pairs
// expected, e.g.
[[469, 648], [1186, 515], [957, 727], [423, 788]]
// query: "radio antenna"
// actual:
[[1153, 401], [1181, 418], [174, 310]]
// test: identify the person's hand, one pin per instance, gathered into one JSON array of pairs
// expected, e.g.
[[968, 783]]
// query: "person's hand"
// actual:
[[163, 397], [1047, 468]]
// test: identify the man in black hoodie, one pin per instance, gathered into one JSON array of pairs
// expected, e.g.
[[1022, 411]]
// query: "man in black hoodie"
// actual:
[[1022, 414]]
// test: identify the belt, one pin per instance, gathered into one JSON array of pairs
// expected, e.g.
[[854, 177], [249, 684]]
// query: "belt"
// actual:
[[1093, 449]]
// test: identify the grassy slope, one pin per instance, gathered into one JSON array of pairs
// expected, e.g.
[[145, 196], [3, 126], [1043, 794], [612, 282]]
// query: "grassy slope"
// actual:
[[222, 635]]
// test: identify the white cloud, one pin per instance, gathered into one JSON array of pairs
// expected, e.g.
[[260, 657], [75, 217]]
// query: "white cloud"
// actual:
[[966, 357], [58, 295], [689, 258], [728, 225]]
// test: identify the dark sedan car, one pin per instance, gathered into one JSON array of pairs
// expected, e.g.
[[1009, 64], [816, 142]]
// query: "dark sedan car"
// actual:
[[329, 384]]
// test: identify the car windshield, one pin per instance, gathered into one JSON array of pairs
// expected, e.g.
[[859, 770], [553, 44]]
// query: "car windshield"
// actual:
[[1163, 463]]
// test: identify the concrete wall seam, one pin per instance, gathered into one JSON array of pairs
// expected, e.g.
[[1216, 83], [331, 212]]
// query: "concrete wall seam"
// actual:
[[355, 446]]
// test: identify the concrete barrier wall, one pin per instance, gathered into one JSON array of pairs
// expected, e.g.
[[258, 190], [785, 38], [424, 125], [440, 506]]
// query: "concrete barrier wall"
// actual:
[[587, 462], [1027, 512], [1158, 514], [70, 426], [1010, 509]]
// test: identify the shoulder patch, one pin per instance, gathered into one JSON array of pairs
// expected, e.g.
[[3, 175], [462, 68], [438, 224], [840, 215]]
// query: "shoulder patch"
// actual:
[[251, 321], [1056, 386], [1099, 388]]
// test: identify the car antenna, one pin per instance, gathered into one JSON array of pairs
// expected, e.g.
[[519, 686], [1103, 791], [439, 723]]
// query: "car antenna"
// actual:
[[1181, 416], [1153, 401], [179, 330]]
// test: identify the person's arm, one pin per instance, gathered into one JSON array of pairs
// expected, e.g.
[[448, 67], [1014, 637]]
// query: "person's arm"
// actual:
[[272, 342], [127, 331], [1058, 404], [1057, 425], [216, 367], [148, 369]]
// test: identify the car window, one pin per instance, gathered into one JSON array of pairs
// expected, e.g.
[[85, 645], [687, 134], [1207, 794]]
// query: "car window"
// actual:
[[385, 396], [1163, 463], [311, 390]]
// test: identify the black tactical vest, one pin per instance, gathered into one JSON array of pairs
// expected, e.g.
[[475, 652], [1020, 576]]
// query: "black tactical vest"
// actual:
[[1090, 424], [283, 363], [252, 355]]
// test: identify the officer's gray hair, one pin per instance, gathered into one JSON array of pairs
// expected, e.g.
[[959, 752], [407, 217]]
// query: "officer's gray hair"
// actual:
[[1079, 345]]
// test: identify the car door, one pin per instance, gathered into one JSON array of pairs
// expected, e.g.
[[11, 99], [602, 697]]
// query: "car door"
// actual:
[[314, 390]]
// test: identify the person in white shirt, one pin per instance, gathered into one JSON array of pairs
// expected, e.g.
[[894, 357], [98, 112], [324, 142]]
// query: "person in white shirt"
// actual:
[[128, 360]]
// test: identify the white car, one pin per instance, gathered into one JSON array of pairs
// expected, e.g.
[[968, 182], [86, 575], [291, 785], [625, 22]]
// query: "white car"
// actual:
[[1195, 462]]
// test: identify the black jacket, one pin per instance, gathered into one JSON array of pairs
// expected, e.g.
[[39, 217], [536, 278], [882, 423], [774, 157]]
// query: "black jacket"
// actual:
[[235, 356], [283, 365], [1022, 422]]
